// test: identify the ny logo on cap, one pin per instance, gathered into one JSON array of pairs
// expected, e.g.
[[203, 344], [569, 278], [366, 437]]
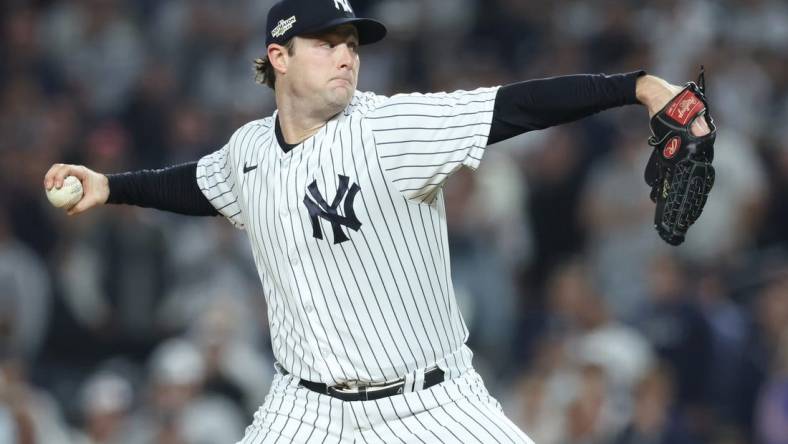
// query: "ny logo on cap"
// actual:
[[345, 4]]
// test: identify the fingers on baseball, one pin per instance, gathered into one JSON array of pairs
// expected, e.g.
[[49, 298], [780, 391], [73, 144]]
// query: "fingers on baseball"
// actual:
[[50, 176], [58, 172], [83, 205]]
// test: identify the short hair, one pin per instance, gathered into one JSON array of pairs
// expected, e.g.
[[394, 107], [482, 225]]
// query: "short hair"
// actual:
[[264, 72]]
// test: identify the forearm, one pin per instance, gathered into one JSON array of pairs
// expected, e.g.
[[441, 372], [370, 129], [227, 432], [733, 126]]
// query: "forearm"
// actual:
[[171, 189], [542, 103]]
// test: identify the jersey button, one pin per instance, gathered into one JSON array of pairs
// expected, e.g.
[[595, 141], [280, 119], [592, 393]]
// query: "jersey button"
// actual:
[[309, 309], [325, 351], [294, 260]]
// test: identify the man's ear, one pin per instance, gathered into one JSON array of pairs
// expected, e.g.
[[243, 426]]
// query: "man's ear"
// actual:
[[278, 57]]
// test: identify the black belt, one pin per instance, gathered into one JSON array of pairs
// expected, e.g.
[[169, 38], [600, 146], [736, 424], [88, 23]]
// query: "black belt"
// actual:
[[372, 391]]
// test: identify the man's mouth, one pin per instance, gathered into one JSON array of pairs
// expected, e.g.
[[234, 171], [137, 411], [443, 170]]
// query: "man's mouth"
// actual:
[[343, 79]]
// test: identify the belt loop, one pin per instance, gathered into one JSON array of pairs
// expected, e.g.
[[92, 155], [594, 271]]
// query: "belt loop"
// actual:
[[414, 381], [409, 382], [419, 382]]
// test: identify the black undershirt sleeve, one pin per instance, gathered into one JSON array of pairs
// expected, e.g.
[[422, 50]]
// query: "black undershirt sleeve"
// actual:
[[519, 107], [537, 104], [172, 189]]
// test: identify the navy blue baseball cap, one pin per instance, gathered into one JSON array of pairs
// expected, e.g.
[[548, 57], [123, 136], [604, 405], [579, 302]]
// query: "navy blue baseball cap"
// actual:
[[289, 18]]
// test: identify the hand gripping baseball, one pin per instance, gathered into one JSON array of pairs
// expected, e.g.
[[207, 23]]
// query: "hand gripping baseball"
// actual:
[[679, 170], [95, 186]]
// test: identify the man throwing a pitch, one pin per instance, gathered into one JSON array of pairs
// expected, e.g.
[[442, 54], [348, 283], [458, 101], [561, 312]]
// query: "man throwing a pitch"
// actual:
[[340, 192]]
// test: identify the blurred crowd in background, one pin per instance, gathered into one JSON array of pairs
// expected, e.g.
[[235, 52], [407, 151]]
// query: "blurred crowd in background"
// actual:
[[127, 325]]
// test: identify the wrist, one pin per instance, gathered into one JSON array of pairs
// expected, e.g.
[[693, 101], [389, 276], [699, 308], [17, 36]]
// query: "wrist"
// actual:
[[104, 181], [654, 93]]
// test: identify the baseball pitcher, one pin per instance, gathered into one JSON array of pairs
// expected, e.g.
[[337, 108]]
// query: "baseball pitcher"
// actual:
[[340, 193]]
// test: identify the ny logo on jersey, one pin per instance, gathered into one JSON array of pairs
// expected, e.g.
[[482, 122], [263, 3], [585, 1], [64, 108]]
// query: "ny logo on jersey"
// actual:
[[345, 4], [319, 208]]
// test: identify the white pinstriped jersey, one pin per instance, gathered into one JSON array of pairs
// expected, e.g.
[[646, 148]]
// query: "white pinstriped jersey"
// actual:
[[348, 231]]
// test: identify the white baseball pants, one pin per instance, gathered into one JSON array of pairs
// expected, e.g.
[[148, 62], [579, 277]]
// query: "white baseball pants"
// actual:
[[458, 411]]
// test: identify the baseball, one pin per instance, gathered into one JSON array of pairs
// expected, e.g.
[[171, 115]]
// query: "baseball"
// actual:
[[67, 195]]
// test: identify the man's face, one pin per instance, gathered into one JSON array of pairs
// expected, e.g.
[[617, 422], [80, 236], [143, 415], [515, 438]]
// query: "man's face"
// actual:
[[324, 68]]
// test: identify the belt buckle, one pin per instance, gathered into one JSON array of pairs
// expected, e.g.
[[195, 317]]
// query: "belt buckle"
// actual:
[[364, 390], [344, 390], [356, 387]]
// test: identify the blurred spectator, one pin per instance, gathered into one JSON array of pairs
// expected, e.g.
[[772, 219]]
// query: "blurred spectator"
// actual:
[[541, 394], [613, 45], [234, 368], [619, 220], [680, 34], [99, 49], [680, 335], [735, 207], [113, 271], [590, 418], [578, 385], [35, 416], [499, 204], [739, 109], [773, 230], [759, 23], [478, 275], [148, 115], [211, 265], [655, 419], [176, 409], [189, 134], [114, 279], [764, 357], [26, 124], [771, 412], [25, 297], [23, 53], [609, 355], [7, 427], [106, 406], [728, 326], [554, 170], [595, 336]]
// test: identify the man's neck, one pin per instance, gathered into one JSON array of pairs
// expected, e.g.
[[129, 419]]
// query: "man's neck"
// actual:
[[298, 121], [297, 128]]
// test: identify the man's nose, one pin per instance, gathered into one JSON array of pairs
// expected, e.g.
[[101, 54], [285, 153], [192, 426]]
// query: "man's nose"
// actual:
[[347, 58]]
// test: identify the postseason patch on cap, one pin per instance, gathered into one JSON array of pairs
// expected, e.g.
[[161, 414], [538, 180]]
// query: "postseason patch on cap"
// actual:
[[283, 26]]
